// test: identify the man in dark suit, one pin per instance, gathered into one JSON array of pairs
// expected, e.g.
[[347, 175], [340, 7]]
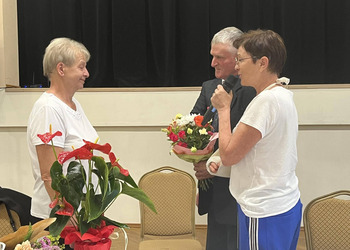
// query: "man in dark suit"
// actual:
[[217, 200]]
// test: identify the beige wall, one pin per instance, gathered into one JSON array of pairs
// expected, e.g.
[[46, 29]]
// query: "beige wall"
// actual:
[[8, 39], [131, 122]]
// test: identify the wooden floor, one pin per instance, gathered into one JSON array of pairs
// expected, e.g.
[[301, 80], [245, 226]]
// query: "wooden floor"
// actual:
[[133, 235]]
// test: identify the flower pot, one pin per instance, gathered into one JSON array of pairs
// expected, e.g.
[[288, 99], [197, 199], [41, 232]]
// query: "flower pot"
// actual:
[[88, 245]]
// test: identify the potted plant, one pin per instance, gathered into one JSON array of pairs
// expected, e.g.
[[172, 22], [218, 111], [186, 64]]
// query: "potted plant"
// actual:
[[83, 203]]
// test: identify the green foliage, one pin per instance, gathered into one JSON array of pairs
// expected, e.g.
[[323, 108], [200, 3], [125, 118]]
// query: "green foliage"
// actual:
[[91, 202]]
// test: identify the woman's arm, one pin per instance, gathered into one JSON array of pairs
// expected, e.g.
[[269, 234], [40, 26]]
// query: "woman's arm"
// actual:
[[46, 158], [233, 146]]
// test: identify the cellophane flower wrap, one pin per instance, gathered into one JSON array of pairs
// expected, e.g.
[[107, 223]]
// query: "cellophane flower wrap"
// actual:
[[81, 201], [191, 141]]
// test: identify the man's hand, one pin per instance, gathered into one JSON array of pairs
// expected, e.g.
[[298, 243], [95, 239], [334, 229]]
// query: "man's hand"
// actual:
[[201, 170]]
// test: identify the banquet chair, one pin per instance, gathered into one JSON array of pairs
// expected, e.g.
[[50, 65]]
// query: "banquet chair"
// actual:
[[327, 222], [173, 193], [14, 210]]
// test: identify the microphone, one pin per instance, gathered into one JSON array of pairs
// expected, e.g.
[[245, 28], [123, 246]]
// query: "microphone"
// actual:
[[228, 84]]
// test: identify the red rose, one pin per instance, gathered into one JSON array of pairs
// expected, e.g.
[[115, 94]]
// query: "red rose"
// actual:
[[182, 134], [173, 137]]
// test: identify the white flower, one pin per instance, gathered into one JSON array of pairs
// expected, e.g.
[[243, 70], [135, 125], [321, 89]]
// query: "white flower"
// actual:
[[24, 246], [203, 131], [186, 119]]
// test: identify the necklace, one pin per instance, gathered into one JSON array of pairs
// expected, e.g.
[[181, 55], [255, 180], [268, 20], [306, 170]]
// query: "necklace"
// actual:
[[279, 82]]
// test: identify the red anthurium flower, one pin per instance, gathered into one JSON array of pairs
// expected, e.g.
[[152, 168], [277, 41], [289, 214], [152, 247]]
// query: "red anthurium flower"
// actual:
[[106, 148], [55, 201], [62, 157], [47, 137], [182, 134], [65, 207], [173, 137], [80, 153], [198, 120], [114, 162]]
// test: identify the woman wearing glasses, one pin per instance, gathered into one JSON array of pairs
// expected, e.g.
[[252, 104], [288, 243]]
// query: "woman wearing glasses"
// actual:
[[261, 150]]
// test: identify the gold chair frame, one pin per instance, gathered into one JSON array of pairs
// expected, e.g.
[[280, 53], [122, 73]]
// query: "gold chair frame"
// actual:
[[327, 222]]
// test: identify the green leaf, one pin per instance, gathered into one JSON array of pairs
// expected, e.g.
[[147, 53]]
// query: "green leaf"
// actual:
[[84, 225], [115, 173], [112, 222], [128, 179], [139, 195], [56, 174], [113, 180], [95, 202], [73, 191], [29, 233], [110, 197], [61, 221], [103, 172]]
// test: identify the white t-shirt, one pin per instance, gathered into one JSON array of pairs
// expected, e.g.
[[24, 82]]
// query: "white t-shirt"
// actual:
[[264, 182], [75, 127]]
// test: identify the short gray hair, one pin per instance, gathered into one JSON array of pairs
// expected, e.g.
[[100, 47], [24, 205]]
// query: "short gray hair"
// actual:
[[63, 50], [226, 36]]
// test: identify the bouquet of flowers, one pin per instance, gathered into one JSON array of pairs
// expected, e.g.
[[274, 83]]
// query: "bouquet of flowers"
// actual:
[[46, 242], [81, 201], [191, 141]]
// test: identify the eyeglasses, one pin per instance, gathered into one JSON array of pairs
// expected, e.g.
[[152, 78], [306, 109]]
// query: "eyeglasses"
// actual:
[[239, 60]]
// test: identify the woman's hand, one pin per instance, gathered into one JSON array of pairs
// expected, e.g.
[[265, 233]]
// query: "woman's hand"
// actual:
[[214, 167], [221, 99]]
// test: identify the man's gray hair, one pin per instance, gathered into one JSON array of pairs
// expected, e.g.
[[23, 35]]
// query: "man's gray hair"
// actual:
[[226, 36]]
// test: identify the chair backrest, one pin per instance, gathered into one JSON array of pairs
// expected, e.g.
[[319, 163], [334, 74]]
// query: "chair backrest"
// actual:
[[9, 220], [173, 193], [327, 221], [14, 210]]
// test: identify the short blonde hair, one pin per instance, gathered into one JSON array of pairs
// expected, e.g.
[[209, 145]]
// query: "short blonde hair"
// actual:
[[63, 50]]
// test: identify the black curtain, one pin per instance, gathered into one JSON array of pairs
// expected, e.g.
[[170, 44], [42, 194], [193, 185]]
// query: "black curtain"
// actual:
[[151, 43]]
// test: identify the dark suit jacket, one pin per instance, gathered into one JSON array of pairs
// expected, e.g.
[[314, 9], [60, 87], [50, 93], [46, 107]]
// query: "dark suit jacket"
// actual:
[[218, 199]]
